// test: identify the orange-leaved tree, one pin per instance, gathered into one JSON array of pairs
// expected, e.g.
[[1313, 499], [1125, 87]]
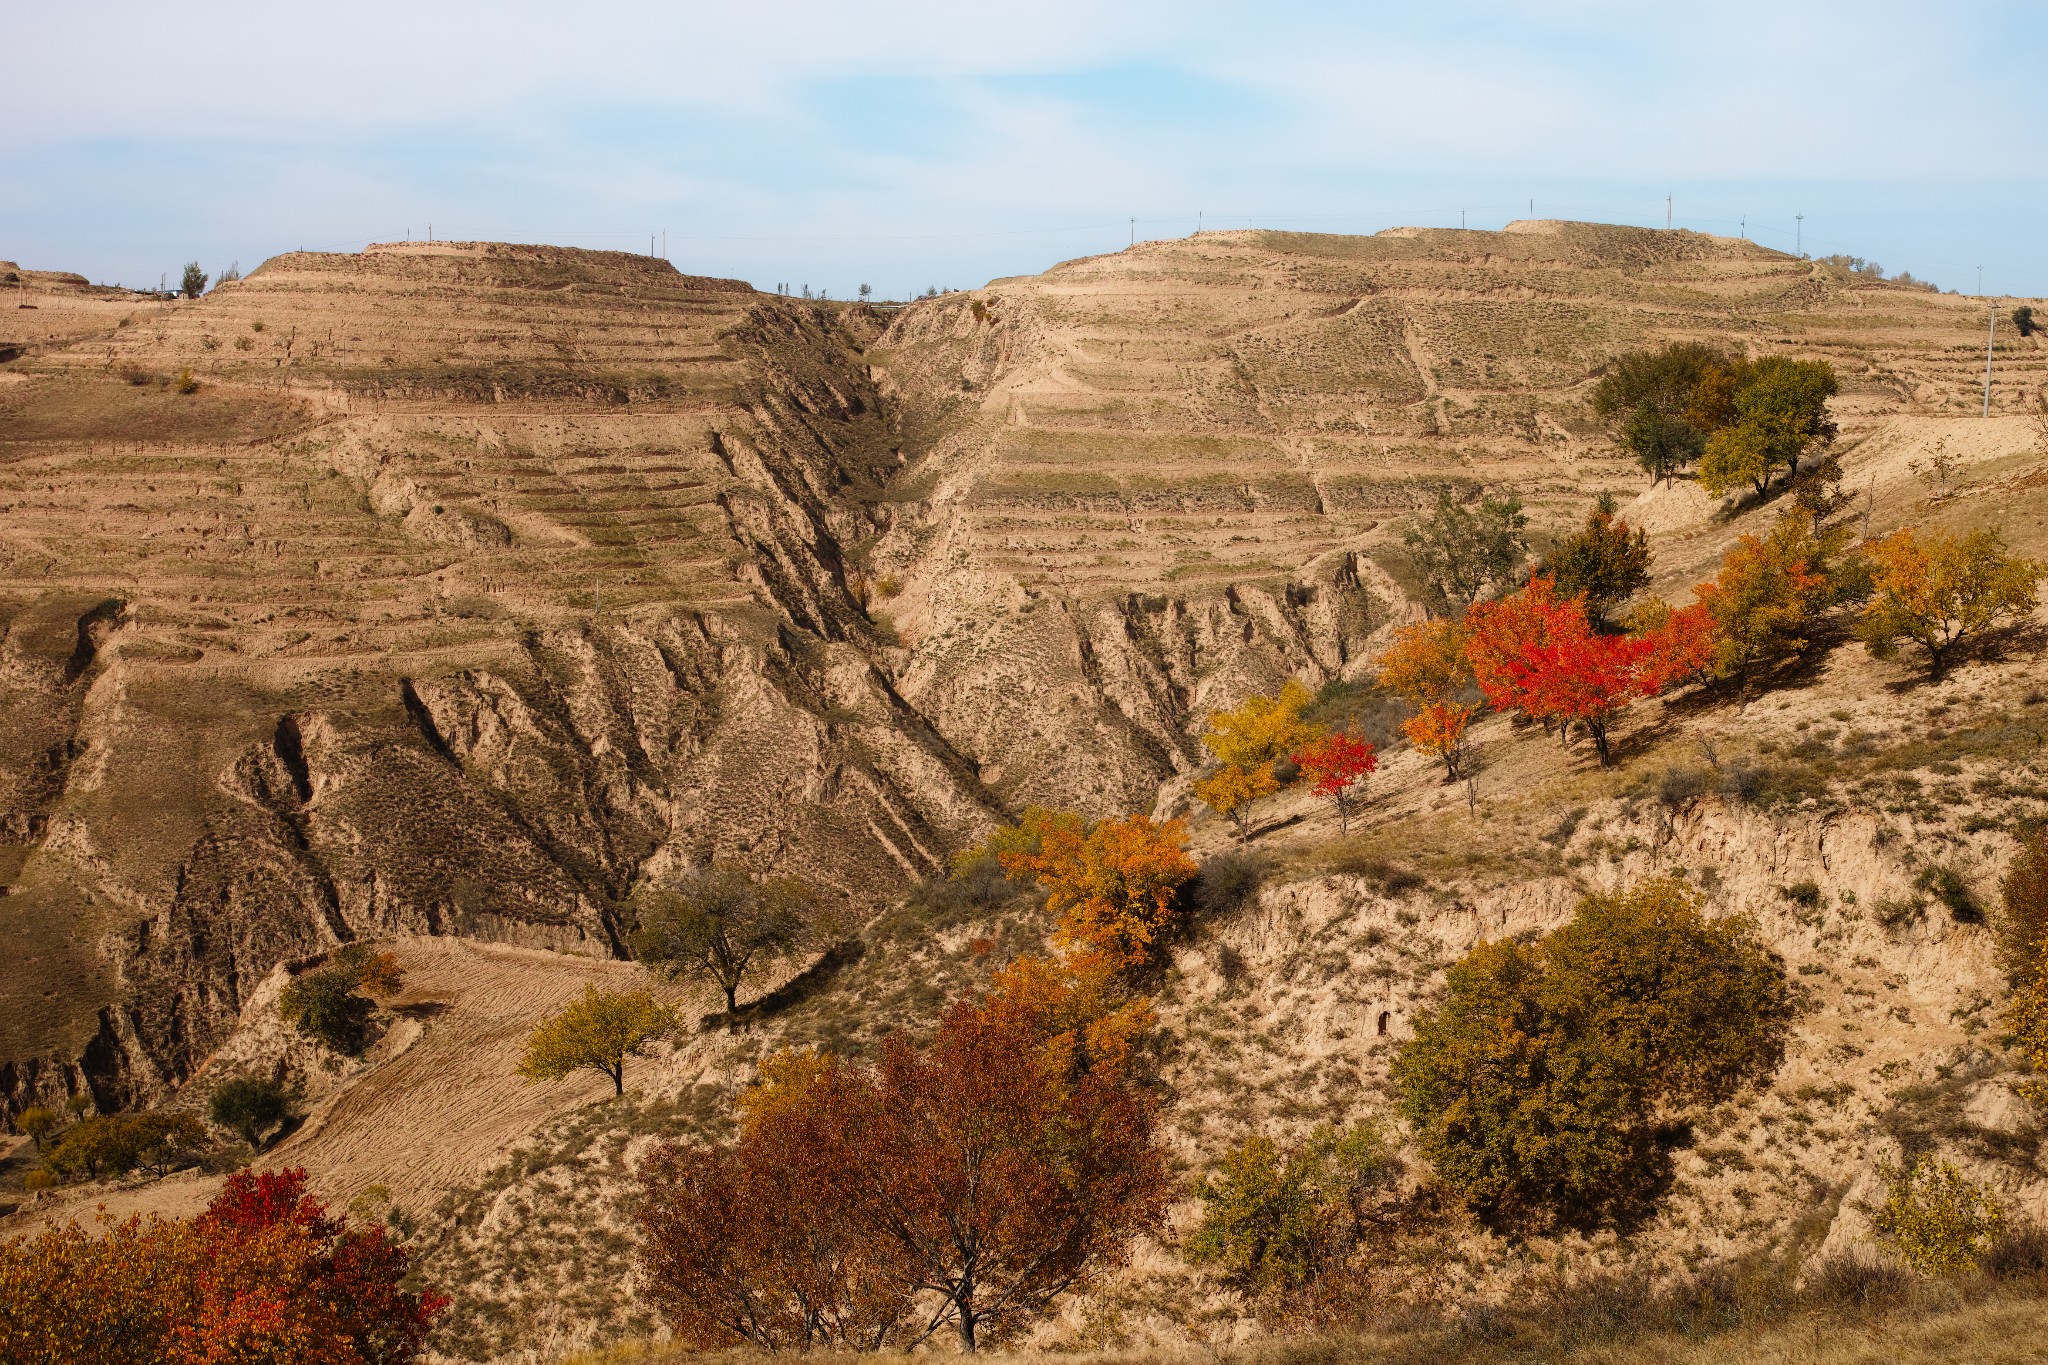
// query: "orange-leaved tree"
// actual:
[[1248, 741], [1770, 592], [1335, 764], [1942, 591], [1439, 728], [1114, 884], [1425, 665], [263, 1274], [968, 1182]]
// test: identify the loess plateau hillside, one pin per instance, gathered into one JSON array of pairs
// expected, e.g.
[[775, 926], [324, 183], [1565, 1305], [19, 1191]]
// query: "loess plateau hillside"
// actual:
[[445, 594]]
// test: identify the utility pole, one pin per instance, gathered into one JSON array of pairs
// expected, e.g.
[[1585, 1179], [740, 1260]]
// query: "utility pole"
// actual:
[[1799, 235], [1461, 220], [1134, 232], [1990, 331], [1198, 222], [1667, 213], [664, 244]]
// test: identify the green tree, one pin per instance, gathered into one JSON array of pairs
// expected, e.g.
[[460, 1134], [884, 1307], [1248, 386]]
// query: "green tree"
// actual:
[[2023, 321], [333, 1004], [1537, 1088], [1459, 551], [1644, 397], [1273, 1220], [118, 1143], [194, 283], [1940, 1220], [1606, 563], [598, 1033], [37, 1123], [722, 925], [250, 1106], [1780, 412]]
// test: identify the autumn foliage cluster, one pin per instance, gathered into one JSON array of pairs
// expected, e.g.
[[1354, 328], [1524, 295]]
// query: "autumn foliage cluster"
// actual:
[[1114, 884], [960, 1184], [264, 1274], [1265, 744]]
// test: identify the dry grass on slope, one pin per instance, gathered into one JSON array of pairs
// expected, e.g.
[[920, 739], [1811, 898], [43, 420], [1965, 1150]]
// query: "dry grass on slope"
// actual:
[[2009, 1325]]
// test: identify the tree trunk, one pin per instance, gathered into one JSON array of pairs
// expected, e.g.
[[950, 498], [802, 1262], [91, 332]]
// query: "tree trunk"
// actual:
[[966, 1306], [619, 1079], [1599, 729]]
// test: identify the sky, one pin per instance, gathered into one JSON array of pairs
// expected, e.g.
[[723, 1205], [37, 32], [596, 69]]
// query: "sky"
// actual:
[[912, 144]]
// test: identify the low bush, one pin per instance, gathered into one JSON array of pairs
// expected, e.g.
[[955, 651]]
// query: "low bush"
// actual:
[[1229, 881], [1940, 1221]]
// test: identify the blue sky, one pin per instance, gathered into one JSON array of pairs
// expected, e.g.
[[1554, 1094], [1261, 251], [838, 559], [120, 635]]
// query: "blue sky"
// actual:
[[915, 144]]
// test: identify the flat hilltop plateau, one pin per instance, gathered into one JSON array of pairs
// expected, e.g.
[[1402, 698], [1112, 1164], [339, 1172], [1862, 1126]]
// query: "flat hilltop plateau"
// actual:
[[444, 595]]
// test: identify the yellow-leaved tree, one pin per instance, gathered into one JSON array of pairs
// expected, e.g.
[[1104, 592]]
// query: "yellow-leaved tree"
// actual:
[[598, 1032], [1248, 742], [1940, 591]]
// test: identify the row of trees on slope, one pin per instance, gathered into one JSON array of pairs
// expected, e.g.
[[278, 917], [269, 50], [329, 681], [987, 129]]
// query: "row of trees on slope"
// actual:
[[1552, 651]]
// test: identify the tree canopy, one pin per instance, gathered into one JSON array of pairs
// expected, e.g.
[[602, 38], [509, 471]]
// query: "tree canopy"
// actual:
[[1115, 884], [1460, 551], [722, 925], [1774, 416], [1603, 564], [598, 1033], [1248, 741], [264, 1274], [1942, 591], [1536, 1088], [966, 1183], [1645, 396]]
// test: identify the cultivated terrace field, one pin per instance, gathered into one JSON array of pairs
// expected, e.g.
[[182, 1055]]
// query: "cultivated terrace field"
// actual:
[[1081, 760]]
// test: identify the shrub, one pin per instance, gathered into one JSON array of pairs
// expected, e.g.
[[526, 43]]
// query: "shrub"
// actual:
[[331, 1005], [251, 1106], [1537, 1087], [1940, 1221], [325, 1005], [1274, 1220], [1805, 895], [2023, 908], [1946, 885], [263, 1274], [185, 382], [1229, 881], [193, 282], [115, 1144]]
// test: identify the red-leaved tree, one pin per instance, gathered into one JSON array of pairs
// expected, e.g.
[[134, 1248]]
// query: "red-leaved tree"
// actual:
[[1538, 654], [1334, 765], [264, 1274]]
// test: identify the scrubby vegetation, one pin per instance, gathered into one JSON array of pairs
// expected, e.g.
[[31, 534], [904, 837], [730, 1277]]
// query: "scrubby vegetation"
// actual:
[[597, 1033], [333, 1003]]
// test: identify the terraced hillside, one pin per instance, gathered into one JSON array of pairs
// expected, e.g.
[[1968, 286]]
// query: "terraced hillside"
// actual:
[[474, 584], [471, 582], [1162, 478]]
